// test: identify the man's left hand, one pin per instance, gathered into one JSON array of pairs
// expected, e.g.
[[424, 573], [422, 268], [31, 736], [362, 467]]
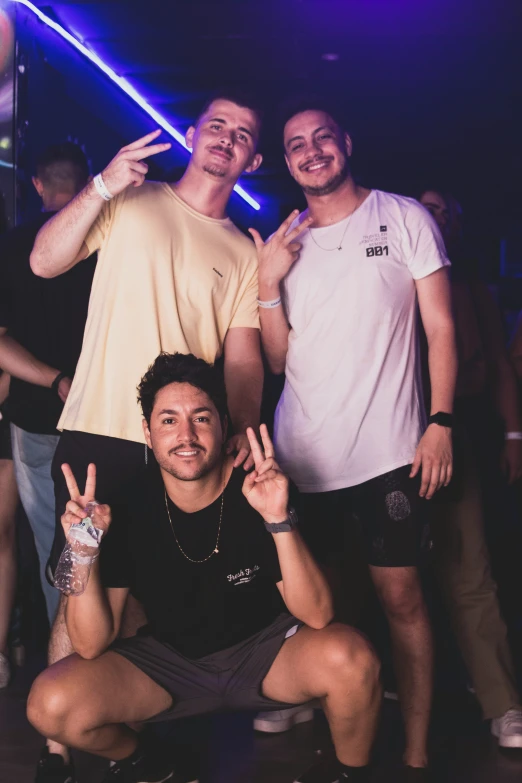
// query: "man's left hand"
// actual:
[[266, 487], [240, 445], [512, 460], [434, 456]]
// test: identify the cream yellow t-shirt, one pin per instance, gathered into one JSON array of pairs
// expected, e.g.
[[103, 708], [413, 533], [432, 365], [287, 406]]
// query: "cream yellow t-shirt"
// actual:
[[167, 279]]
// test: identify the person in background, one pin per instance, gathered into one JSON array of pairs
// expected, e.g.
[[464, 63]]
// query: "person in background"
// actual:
[[8, 503], [460, 554], [174, 273], [339, 287], [41, 333]]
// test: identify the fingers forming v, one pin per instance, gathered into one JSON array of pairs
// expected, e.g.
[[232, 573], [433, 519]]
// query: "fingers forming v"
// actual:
[[255, 448]]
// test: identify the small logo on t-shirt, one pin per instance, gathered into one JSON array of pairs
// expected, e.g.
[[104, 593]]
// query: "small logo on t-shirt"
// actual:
[[244, 576], [384, 229], [217, 271]]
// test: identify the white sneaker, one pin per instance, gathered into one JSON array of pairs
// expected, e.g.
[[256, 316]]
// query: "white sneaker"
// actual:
[[282, 720], [5, 671], [508, 729]]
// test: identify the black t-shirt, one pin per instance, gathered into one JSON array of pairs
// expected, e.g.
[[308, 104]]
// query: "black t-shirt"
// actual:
[[198, 608], [47, 317]]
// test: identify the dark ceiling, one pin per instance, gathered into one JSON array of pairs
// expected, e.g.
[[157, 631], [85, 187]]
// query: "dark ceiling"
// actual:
[[431, 90]]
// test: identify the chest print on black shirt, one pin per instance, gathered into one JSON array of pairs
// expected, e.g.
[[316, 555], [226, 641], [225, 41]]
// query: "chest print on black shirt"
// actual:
[[244, 576]]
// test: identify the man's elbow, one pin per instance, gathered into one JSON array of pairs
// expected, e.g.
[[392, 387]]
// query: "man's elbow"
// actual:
[[277, 364], [37, 265]]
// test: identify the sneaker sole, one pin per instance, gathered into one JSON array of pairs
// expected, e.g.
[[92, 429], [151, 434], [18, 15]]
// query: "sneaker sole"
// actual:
[[280, 726]]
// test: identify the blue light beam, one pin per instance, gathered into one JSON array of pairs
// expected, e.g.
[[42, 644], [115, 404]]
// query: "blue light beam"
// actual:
[[124, 85]]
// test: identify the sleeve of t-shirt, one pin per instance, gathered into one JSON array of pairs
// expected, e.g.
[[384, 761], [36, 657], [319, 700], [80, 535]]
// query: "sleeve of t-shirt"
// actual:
[[424, 248], [100, 228], [115, 552], [247, 313]]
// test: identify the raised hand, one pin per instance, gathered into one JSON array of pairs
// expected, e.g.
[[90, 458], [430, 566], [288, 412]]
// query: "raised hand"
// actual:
[[75, 508], [278, 254], [266, 487], [127, 168]]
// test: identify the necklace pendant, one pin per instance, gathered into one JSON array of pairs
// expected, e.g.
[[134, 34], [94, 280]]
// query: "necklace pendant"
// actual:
[[339, 248], [216, 551]]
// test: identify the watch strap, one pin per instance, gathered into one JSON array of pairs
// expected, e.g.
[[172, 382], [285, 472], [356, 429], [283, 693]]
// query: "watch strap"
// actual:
[[442, 419], [289, 524]]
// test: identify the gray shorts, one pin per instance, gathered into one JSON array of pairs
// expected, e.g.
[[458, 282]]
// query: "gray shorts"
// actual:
[[226, 681]]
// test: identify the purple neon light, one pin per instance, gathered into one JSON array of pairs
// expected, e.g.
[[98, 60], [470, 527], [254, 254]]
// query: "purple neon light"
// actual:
[[124, 85]]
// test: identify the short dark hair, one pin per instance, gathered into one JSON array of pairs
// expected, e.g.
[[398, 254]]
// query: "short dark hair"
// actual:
[[237, 95], [309, 102], [182, 368], [62, 163]]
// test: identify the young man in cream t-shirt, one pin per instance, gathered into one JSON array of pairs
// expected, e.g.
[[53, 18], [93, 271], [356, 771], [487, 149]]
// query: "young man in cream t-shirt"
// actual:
[[339, 287], [174, 274]]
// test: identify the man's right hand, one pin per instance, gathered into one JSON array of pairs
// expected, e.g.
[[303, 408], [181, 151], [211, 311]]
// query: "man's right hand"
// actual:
[[75, 508], [278, 254], [126, 168]]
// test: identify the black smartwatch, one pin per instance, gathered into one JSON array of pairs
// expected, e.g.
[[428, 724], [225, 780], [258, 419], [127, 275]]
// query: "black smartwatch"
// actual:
[[442, 419], [289, 524]]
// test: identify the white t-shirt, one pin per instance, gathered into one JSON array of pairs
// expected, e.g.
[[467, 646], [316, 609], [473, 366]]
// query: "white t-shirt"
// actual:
[[352, 406]]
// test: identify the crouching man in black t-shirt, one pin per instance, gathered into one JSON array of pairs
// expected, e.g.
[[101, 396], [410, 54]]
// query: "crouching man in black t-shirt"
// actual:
[[238, 611]]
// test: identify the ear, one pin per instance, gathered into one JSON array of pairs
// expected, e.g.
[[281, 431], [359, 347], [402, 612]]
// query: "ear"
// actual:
[[189, 137], [38, 186], [348, 145], [146, 432], [255, 163]]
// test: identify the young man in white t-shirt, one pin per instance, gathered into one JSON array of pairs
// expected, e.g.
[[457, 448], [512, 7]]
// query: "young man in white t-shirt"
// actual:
[[338, 314]]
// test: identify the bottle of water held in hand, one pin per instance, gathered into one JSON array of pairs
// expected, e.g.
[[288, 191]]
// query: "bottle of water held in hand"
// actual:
[[81, 549]]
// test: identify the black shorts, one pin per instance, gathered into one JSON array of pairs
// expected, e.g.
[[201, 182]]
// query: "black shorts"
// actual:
[[392, 520], [118, 462], [5, 439], [226, 681]]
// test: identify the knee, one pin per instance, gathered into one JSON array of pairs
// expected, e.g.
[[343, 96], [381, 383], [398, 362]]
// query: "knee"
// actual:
[[49, 705], [403, 603], [350, 659]]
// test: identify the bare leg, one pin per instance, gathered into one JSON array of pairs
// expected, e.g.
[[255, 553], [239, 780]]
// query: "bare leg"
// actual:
[[400, 593], [8, 503], [60, 646], [85, 704], [338, 666]]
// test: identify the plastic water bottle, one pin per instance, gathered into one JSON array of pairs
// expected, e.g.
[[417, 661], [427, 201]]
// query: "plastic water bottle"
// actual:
[[82, 547]]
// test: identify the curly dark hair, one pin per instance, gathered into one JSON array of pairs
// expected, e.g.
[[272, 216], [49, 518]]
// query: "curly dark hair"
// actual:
[[170, 368]]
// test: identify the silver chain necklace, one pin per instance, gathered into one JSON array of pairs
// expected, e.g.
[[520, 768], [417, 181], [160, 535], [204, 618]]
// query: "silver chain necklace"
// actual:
[[340, 245]]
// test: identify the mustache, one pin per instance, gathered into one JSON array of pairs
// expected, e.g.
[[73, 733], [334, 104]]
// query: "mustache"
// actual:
[[315, 159], [222, 150], [186, 447]]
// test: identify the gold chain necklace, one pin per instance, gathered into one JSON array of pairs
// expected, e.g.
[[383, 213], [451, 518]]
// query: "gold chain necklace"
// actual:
[[215, 551]]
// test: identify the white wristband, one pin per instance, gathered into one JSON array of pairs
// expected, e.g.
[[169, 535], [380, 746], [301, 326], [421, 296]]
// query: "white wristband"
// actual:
[[270, 304], [513, 436], [100, 186]]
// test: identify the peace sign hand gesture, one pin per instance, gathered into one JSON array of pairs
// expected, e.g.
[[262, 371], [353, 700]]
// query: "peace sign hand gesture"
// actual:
[[266, 487], [127, 167], [278, 254], [75, 508]]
